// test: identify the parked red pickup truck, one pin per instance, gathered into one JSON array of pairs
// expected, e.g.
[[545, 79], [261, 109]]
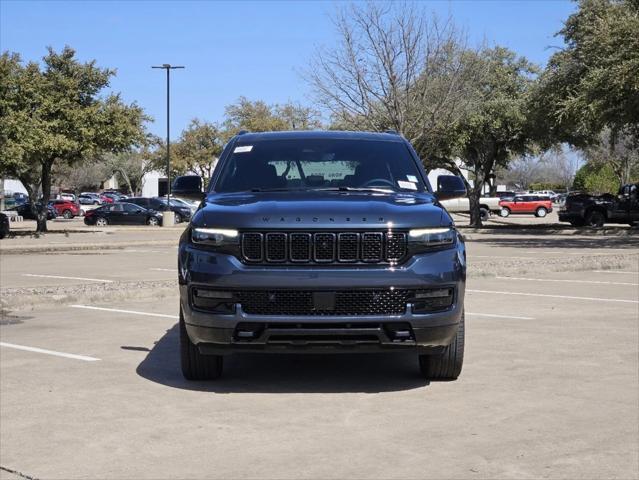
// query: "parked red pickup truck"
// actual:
[[66, 208], [526, 204]]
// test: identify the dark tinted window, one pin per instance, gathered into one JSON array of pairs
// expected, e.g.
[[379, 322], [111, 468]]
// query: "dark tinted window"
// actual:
[[129, 207], [139, 201], [319, 163]]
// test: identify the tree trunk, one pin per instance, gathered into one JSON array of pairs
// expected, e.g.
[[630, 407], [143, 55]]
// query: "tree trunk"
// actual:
[[474, 195], [46, 193]]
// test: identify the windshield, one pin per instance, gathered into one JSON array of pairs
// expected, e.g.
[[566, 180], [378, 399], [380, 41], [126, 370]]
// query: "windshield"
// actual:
[[316, 164]]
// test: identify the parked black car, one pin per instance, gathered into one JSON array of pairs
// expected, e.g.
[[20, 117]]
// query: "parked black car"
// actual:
[[182, 213], [24, 211], [322, 241], [122, 213], [583, 209], [4, 225]]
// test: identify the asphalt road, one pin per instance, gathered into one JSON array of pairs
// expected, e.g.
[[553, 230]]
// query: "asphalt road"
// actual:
[[550, 386]]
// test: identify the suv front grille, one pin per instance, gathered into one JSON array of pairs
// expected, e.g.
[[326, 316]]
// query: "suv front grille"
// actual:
[[323, 247]]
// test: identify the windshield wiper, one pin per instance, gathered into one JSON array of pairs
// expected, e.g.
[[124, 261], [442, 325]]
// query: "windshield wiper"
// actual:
[[356, 189], [279, 189]]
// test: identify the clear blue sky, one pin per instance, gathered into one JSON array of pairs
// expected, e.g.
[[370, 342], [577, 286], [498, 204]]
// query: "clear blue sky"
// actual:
[[255, 49]]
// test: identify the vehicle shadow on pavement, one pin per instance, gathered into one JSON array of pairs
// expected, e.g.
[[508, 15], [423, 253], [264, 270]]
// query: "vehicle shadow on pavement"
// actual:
[[287, 373]]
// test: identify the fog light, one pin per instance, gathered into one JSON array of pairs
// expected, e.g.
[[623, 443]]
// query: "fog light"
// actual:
[[433, 300], [214, 301], [440, 292]]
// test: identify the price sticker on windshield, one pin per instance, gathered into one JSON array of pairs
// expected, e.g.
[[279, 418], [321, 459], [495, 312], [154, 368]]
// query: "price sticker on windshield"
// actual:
[[406, 185], [243, 149]]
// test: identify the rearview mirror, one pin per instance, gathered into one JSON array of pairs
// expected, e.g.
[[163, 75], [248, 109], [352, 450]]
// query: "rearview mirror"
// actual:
[[188, 186], [450, 186]]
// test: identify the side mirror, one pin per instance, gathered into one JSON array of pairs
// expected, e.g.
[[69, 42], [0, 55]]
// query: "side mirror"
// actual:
[[188, 186], [450, 186]]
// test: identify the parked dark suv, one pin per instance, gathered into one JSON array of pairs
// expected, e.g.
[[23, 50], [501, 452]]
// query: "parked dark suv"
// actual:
[[323, 242]]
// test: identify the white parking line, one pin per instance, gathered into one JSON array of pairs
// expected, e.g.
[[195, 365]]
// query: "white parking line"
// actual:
[[498, 316], [616, 271], [174, 270], [555, 296], [497, 257], [49, 352], [117, 310], [566, 281], [67, 278]]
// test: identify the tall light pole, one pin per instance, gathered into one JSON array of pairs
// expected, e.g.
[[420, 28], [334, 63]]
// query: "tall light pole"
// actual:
[[168, 67]]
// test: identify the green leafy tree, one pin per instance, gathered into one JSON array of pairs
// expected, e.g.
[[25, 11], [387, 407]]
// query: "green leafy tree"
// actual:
[[258, 116], [593, 82], [198, 149], [55, 114], [495, 130], [596, 178], [621, 154]]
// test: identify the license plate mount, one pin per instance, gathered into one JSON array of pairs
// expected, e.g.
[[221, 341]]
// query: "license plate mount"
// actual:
[[324, 301]]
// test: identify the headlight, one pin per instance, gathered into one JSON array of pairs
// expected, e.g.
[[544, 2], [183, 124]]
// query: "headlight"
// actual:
[[215, 237], [432, 237]]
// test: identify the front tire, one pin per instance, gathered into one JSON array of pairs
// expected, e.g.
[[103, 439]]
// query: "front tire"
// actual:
[[448, 364], [101, 222], [504, 212], [178, 218], [196, 366], [541, 212], [67, 214], [484, 214], [153, 222], [595, 219]]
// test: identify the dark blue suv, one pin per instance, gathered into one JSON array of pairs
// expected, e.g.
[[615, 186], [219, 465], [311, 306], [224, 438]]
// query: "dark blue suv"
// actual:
[[321, 242]]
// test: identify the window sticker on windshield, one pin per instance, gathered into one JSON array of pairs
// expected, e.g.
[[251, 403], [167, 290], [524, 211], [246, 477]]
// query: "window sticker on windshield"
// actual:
[[243, 149], [407, 185], [411, 178]]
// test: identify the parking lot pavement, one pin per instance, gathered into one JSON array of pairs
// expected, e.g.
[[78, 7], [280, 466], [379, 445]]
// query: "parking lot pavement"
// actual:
[[68, 268], [549, 389]]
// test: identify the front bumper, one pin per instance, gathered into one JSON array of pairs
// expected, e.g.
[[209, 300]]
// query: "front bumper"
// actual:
[[217, 333]]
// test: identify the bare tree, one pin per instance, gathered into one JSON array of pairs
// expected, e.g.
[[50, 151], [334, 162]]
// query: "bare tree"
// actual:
[[560, 167], [395, 67], [523, 171]]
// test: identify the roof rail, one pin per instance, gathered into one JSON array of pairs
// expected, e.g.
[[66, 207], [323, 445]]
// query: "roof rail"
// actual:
[[242, 132], [392, 132]]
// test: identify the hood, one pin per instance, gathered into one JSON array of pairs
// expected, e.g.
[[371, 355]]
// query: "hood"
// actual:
[[319, 210]]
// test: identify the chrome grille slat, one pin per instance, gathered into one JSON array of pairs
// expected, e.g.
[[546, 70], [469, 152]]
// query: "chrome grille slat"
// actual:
[[323, 247]]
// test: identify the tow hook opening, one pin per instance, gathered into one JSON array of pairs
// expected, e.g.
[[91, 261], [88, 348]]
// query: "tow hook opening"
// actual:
[[399, 332], [245, 332]]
